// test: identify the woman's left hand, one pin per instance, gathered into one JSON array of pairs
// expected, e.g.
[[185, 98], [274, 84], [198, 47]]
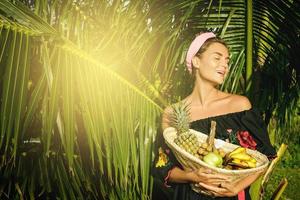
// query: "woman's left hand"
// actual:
[[225, 189], [230, 188]]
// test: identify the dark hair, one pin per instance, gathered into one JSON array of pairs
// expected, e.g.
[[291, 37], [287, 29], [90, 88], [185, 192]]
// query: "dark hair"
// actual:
[[209, 42]]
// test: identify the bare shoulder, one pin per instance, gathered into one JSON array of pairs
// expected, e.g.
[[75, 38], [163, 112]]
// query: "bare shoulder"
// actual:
[[166, 117], [167, 111], [240, 102]]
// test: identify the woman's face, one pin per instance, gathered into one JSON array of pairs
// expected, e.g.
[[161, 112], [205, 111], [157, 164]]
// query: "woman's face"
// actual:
[[213, 63]]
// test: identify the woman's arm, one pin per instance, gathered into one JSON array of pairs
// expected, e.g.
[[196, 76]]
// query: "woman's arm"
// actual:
[[165, 118], [202, 175], [231, 188], [178, 175]]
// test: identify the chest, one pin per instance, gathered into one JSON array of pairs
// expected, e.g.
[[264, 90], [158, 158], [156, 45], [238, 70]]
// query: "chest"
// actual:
[[228, 126], [198, 112]]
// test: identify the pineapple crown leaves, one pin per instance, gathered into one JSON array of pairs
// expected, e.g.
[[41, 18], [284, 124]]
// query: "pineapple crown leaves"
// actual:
[[180, 117]]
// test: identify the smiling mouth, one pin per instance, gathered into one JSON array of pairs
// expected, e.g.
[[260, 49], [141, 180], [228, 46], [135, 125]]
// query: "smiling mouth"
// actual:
[[221, 73]]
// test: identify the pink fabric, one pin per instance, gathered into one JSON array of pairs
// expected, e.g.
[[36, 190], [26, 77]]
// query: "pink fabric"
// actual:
[[241, 195], [195, 46]]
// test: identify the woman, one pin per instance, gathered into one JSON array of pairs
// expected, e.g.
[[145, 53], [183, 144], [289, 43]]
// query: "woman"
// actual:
[[237, 122]]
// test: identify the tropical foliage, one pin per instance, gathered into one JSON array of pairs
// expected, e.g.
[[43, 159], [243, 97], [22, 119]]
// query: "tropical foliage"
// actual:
[[83, 83]]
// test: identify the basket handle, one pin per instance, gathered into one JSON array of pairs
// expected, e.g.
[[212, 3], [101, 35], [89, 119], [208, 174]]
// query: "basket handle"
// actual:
[[212, 134]]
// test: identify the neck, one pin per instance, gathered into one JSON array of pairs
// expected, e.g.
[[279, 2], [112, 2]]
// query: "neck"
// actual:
[[203, 93]]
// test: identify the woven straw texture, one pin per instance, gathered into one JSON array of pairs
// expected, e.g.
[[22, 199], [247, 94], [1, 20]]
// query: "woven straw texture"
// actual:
[[190, 162]]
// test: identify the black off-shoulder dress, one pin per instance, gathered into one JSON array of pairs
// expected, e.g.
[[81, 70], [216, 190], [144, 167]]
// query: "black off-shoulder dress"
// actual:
[[245, 128]]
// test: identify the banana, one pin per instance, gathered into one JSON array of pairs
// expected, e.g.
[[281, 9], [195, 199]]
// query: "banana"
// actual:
[[245, 164], [240, 163], [222, 153], [241, 156], [251, 164], [240, 159], [236, 161], [253, 160], [237, 150]]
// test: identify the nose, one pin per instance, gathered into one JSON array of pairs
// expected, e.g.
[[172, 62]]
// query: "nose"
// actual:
[[224, 63]]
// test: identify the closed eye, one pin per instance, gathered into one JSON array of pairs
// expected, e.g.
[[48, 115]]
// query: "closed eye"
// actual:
[[218, 55]]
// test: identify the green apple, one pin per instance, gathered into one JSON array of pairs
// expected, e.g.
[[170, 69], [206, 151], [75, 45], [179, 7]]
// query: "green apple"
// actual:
[[213, 159]]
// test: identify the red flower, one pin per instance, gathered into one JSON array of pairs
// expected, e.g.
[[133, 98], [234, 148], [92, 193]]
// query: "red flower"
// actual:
[[246, 140]]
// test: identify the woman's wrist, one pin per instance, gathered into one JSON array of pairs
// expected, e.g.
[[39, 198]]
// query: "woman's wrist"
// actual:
[[192, 177], [182, 176]]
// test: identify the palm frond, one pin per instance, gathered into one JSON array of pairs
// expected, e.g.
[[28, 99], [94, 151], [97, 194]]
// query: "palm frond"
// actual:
[[116, 115], [80, 81]]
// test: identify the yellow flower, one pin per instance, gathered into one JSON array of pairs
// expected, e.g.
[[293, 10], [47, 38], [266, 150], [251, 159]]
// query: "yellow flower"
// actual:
[[162, 158]]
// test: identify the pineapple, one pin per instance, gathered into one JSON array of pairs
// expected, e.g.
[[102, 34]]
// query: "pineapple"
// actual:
[[180, 119]]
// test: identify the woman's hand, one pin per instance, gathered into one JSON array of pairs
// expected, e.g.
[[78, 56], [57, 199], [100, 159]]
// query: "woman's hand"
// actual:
[[195, 176], [217, 184], [209, 177], [229, 187], [225, 189]]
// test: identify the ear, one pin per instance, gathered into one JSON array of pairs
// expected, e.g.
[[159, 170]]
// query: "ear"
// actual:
[[196, 62]]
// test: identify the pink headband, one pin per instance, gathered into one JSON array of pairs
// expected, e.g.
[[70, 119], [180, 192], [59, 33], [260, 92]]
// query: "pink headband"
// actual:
[[195, 46]]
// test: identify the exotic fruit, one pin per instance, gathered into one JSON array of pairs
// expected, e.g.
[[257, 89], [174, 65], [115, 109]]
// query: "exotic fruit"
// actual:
[[180, 119], [212, 156], [240, 159], [188, 142], [213, 159], [206, 150]]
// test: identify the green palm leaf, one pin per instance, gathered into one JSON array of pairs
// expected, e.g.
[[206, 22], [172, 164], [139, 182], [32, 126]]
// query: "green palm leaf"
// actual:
[[121, 118], [82, 83]]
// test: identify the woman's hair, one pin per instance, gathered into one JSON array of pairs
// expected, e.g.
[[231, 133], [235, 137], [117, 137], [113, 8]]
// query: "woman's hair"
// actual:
[[208, 42]]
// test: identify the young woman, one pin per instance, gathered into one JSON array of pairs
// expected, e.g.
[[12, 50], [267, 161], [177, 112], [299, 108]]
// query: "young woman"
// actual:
[[207, 59]]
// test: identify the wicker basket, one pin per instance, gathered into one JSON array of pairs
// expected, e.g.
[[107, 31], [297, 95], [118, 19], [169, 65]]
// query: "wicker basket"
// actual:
[[190, 162]]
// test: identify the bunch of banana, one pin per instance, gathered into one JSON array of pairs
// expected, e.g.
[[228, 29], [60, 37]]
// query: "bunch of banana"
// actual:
[[239, 158]]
